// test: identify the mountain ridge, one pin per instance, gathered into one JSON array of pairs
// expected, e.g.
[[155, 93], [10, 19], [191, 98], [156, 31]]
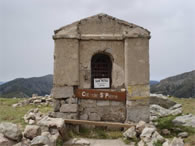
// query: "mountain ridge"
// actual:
[[25, 87], [181, 85]]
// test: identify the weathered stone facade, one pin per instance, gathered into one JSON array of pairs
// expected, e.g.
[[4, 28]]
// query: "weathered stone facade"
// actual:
[[127, 47]]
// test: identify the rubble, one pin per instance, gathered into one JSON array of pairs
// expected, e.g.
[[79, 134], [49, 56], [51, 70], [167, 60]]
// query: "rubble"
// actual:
[[11, 131], [35, 100], [33, 116]]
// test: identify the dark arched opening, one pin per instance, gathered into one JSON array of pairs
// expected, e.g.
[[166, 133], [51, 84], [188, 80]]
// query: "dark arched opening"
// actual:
[[101, 70]]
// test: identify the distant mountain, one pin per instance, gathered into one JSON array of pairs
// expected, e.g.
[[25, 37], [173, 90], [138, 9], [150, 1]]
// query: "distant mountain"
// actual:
[[22, 87], [152, 82], [182, 85], [1, 83]]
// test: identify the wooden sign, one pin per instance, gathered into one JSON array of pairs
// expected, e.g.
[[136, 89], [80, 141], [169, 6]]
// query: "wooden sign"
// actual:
[[100, 94]]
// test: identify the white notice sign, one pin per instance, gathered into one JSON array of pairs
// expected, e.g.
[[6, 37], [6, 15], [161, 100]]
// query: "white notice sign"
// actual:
[[102, 83]]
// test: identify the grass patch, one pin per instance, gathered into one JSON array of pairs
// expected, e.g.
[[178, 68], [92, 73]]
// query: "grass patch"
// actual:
[[166, 123], [188, 104], [15, 115], [158, 143]]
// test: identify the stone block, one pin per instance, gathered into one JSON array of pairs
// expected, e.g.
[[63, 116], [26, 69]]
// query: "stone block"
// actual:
[[66, 108], [94, 117], [116, 103], [84, 117], [66, 115], [138, 90], [87, 103], [115, 114], [71, 100], [90, 109], [66, 62], [57, 105], [103, 103], [62, 92]]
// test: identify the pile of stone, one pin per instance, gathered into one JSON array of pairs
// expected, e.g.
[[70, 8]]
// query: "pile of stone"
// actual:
[[147, 135], [47, 131], [35, 100], [162, 106], [33, 116], [10, 134]]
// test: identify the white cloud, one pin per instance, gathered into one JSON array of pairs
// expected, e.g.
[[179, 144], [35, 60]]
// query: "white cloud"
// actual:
[[26, 45]]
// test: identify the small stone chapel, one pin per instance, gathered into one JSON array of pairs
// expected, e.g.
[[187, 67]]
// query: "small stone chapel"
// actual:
[[101, 70]]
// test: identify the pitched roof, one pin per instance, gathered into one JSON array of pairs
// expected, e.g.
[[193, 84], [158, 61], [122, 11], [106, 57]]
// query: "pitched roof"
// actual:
[[77, 29]]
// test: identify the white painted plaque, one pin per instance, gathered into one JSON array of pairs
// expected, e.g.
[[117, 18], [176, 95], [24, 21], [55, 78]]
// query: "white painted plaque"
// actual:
[[102, 83]]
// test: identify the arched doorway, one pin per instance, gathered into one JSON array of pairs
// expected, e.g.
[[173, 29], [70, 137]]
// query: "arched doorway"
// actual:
[[101, 71]]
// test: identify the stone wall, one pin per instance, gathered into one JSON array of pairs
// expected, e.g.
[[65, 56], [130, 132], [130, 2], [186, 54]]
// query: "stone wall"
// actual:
[[66, 105], [100, 110]]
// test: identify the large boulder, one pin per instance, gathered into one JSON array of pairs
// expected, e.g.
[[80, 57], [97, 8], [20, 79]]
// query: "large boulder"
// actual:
[[24, 142], [52, 122], [5, 142], [140, 126], [157, 111], [185, 120], [53, 138], [57, 125], [183, 134], [161, 100], [130, 133], [149, 136], [40, 141], [11, 131], [175, 142], [32, 131]]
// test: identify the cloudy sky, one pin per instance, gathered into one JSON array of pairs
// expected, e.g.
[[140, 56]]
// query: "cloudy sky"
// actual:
[[26, 29]]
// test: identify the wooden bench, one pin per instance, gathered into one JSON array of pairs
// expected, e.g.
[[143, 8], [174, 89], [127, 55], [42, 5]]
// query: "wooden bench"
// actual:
[[98, 123]]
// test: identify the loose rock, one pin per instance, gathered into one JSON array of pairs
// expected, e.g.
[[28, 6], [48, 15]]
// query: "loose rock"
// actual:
[[183, 134], [40, 141], [140, 126], [130, 133], [157, 111], [32, 131], [165, 132], [185, 120], [161, 100], [5, 142], [11, 131], [177, 142]]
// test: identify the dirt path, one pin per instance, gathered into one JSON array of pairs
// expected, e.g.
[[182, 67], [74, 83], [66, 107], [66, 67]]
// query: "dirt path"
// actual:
[[106, 142]]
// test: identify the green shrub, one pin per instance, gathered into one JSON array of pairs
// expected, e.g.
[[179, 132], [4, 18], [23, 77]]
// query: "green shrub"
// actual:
[[166, 123]]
